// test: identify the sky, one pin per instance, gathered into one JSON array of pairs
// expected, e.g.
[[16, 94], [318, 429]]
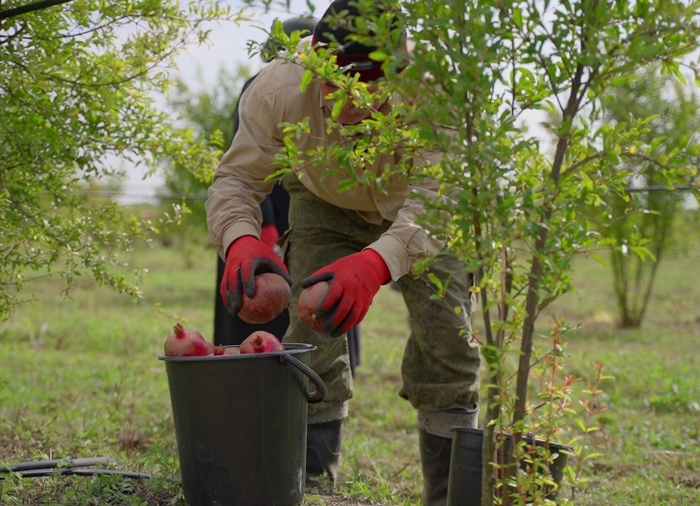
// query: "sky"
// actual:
[[227, 44], [227, 47]]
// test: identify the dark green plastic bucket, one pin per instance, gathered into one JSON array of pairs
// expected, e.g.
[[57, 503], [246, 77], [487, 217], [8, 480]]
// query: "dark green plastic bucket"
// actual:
[[464, 486], [240, 425]]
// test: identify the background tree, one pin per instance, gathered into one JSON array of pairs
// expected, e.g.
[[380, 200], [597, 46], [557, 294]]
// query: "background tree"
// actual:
[[209, 111], [511, 208], [653, 215], [77, 88]]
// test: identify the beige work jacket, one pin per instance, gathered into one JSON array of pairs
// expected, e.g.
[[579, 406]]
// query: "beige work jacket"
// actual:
[[239, 185]]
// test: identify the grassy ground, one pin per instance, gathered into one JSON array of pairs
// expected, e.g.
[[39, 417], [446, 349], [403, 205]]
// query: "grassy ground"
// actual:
[[79, 377]]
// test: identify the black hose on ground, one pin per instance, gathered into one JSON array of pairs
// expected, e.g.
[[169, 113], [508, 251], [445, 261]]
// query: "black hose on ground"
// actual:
[[34, 473], [66, 467]]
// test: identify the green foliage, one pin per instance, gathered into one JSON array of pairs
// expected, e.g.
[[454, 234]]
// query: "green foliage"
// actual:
[[478, 73], [209, 111], [672, 112], [77, 91]]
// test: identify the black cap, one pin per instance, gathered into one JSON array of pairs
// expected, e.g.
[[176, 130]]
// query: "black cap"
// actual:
[[336, 26]]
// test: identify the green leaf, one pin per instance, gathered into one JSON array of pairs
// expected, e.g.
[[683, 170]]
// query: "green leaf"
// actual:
[[306, 79], [337, 108], [599, 259], [679, 75], [518, 17], [378, 56], [621, 80], [278, 174], [436, 281], [346, 185]]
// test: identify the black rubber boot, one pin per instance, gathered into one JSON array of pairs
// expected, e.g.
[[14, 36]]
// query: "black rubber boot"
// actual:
[[322, 455], [435, 452]]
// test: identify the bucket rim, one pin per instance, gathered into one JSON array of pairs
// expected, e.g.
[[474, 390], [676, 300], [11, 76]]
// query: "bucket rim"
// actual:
[[289, 349]]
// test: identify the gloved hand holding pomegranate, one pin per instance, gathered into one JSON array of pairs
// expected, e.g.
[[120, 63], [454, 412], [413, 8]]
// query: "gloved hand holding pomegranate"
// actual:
[[247, 257], [354, 281]]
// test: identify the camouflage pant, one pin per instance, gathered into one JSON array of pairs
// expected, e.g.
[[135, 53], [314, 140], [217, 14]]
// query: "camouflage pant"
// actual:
[[440, 367]]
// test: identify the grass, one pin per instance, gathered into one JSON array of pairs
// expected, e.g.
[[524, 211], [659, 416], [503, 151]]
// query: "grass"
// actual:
[[79, 377]]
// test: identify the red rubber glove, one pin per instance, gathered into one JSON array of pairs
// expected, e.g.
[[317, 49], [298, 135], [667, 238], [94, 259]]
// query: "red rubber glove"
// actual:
[[355, 280], [269, 235], [246, 257]]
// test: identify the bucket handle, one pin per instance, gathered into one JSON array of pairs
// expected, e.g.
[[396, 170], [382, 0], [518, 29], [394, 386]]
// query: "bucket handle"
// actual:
[[321, 389]]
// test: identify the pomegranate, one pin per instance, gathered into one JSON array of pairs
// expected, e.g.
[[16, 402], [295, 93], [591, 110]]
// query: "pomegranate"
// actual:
[[261, 342], [187, 343], [272, 295], [309, 301]]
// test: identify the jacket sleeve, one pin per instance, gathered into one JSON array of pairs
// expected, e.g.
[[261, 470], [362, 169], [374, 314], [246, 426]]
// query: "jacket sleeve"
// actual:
[[409, 240], [239, 185]]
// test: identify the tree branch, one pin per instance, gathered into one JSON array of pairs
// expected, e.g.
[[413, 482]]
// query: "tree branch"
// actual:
[[24, 9]]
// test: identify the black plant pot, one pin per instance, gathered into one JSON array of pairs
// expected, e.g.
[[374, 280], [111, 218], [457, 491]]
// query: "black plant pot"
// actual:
[[464, 487]]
